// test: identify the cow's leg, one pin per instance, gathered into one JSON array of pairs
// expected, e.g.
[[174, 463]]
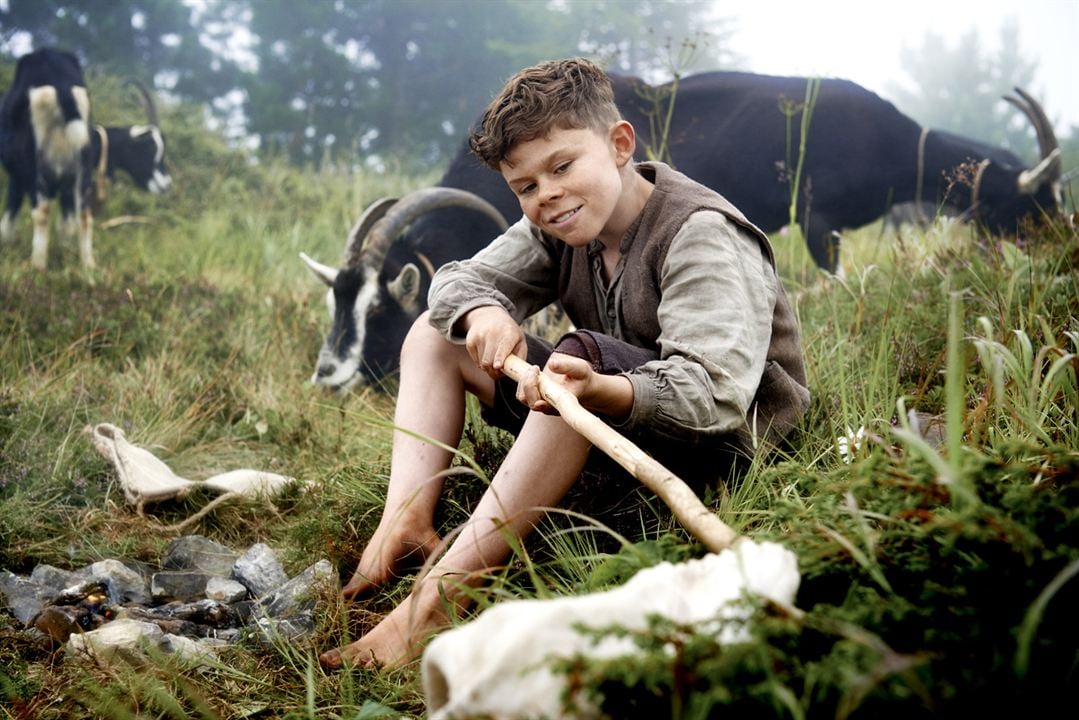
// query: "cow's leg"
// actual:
[[39, 253], [14, 200], [823, 241], [86, 237], [84, 207], [69, 222], [78, 221]]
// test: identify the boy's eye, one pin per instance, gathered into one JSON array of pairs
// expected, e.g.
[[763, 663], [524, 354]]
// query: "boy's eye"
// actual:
[[526, 189], [563, 167]]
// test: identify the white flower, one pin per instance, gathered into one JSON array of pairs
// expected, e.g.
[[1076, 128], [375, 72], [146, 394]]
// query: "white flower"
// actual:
[[848, 445]]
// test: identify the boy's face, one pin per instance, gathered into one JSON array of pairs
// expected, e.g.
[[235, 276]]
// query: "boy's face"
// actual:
[[569, 182]]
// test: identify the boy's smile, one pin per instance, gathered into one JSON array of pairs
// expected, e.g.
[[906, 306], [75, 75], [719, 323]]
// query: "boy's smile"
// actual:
[[577, 184]]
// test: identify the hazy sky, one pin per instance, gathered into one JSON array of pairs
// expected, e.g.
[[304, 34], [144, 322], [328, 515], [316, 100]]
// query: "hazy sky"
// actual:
[[861, 41]]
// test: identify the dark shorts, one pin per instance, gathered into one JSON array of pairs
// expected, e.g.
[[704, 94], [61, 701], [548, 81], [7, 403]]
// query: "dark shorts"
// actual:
[[702, 466]]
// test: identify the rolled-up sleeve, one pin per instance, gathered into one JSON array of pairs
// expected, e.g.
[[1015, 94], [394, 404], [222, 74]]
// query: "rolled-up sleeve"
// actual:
[[519, 264], [715, 317]]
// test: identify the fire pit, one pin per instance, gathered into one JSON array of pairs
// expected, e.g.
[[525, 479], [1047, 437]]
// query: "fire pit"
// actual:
[[203, 595]]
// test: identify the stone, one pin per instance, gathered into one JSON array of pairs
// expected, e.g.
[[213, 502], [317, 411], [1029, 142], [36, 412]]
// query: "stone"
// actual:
[[58, 622], [57, 578], [121, 640], [259, 570], [181, 586], [192, 653], [224, 590], [195, 552], [269, 631], [23, 597], [125, 585], [298, 594]]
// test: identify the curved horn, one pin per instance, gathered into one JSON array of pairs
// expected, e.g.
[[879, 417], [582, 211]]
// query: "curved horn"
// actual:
[[325, 273], [1047, 140], [147, 102], [374, 212], [1030, 180], [414, 205]]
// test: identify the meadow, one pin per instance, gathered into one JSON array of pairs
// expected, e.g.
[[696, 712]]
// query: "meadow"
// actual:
[[938, 569]]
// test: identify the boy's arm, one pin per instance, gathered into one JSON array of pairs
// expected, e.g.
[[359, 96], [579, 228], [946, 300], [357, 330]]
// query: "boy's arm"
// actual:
[[518, 272], [715, 315]]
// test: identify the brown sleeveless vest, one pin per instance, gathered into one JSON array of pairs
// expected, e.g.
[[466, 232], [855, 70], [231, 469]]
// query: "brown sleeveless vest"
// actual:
[[782, 397]]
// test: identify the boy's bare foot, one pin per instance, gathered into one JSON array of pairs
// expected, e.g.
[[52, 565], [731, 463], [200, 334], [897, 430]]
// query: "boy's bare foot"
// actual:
[[385, 556], [398, 638]]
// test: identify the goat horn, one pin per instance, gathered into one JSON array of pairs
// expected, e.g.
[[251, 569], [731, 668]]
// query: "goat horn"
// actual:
[[356, 236], [414, 205], [1030, 180], [147, 101], [1047, 140], [325, 273]]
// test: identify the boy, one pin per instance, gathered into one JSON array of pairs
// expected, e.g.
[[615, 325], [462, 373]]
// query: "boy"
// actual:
[[686, 340]]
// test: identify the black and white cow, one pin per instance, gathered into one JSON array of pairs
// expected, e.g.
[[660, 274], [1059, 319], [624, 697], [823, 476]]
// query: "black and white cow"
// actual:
[[50, 152], [45, 147]]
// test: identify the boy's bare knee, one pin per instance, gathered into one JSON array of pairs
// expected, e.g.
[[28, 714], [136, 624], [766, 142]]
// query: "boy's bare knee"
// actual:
[[423, 337], [425, 344]]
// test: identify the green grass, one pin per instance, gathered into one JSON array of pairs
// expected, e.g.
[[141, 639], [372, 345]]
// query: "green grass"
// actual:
[[937, 579]]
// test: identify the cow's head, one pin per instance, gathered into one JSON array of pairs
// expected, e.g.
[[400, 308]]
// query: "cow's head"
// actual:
[[1004, 197], [372, 301], [144, 159]]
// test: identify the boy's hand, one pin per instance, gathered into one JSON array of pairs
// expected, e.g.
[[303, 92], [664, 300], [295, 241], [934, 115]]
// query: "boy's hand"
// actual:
[[491, 335], [609, 394]]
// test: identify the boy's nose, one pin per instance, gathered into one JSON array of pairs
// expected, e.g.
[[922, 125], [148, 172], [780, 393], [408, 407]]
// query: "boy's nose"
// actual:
[[550, 191]]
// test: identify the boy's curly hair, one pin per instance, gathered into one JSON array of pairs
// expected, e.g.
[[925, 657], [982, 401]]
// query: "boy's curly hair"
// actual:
[[573, 94]]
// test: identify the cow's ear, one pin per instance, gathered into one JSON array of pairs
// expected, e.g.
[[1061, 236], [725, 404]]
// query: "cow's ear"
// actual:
[[405, 288]]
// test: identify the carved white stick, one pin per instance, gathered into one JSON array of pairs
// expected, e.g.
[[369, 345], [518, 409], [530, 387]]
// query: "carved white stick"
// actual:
[[701, 522]]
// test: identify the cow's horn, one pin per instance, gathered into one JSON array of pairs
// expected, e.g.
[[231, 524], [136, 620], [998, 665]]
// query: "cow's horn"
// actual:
[[1047, 140], [1032, 179], [358, 234], [147, 102], [414, 205]]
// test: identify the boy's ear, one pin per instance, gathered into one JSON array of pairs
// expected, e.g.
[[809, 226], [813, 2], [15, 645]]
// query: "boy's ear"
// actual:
[[623, 141]]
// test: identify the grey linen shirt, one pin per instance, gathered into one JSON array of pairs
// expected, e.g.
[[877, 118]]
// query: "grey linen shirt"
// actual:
[[715, 316]]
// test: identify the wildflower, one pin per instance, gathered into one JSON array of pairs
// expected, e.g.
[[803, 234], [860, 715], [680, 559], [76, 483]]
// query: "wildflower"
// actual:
[[848, 445]]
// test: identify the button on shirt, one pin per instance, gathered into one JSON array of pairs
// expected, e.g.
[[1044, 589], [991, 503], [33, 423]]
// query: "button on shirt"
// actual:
[[607, 297]]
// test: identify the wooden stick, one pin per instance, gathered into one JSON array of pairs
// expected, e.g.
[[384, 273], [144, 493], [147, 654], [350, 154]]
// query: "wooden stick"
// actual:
[[701, 522]]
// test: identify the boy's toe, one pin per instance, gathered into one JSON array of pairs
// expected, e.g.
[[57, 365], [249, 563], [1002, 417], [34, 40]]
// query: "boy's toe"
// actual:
[[331, 660]]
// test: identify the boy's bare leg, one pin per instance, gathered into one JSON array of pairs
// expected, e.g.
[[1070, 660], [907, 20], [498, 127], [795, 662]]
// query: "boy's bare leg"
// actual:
[[435, 375], [542, 465]]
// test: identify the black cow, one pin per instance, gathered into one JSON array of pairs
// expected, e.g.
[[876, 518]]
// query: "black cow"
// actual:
[[728, 132], [862, 156], [48, 150]]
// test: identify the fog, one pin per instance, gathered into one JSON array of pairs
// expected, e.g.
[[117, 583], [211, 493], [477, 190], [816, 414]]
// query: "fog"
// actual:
[[862, 41]]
